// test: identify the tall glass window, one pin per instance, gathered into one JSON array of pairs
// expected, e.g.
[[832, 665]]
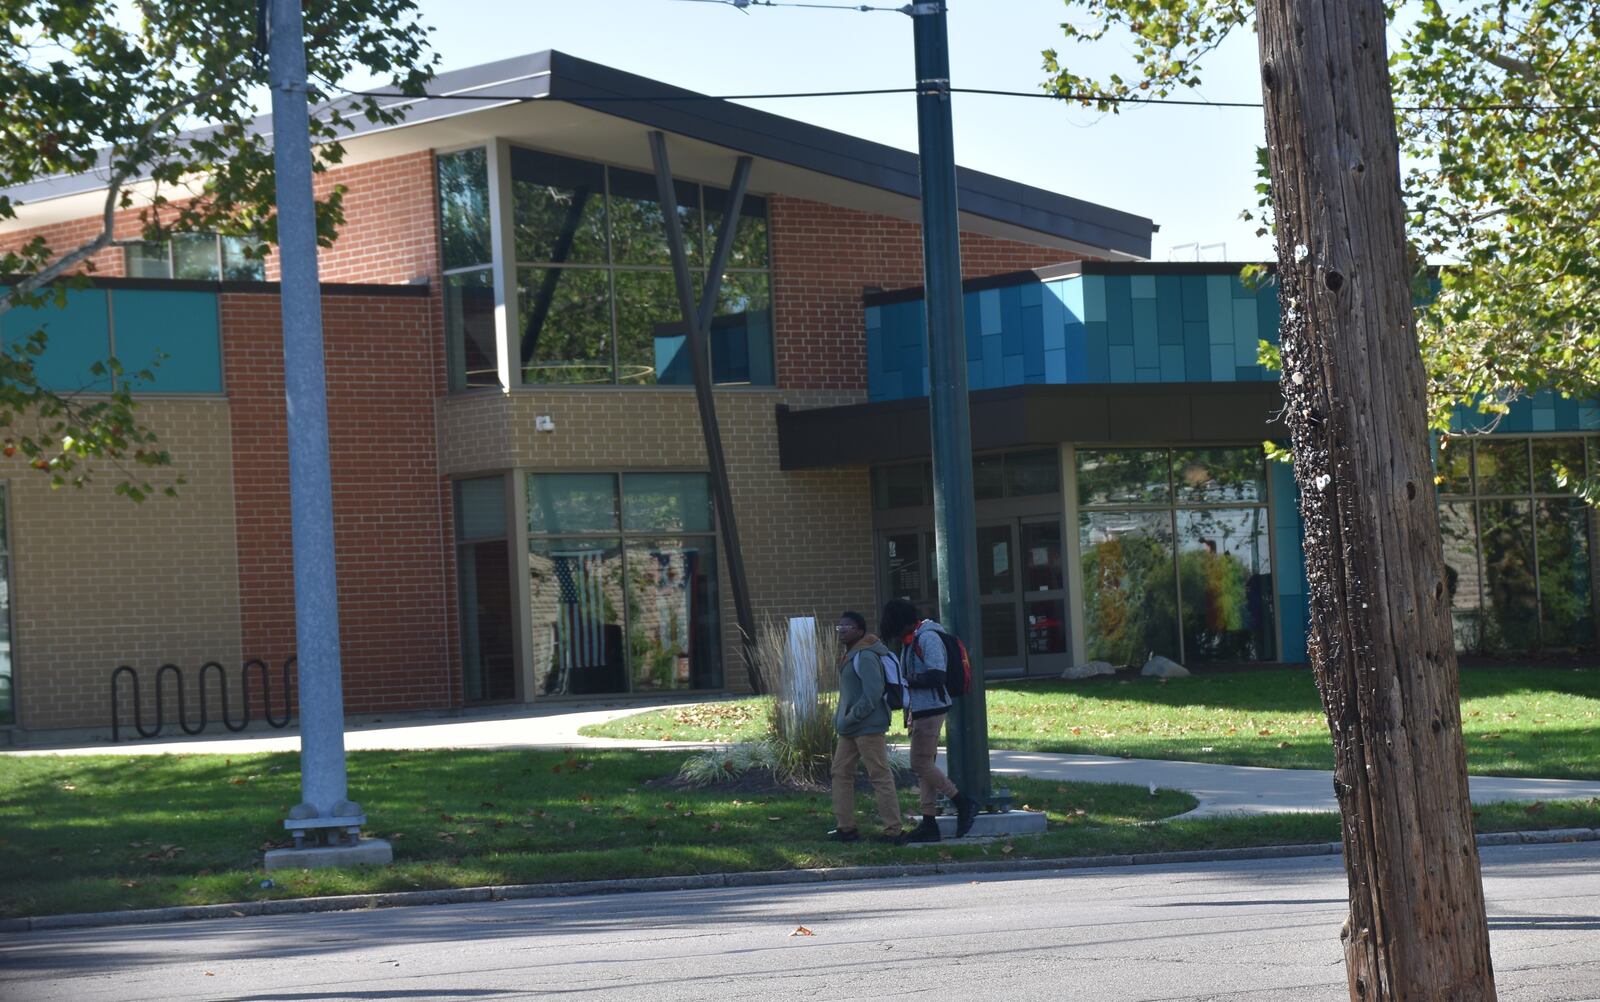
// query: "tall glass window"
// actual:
[[622, 583], [474, 353], [596, 299], [1516, 543], [483, 576], [1175, 554]]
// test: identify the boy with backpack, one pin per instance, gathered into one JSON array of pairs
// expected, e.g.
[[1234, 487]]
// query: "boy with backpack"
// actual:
[[933, 664], [862, 723]]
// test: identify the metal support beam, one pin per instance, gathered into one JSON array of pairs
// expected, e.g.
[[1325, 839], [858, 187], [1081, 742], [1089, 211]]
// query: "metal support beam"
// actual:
[[697, 320], [955, 527]]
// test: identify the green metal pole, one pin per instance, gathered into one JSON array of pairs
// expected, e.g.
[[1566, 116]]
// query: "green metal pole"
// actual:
[[955, 528]]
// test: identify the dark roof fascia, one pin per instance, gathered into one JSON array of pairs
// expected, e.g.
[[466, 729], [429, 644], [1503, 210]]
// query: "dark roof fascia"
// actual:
[[418, 290], [847, 157], [1034, 415], [557, 75], [1068, 269]]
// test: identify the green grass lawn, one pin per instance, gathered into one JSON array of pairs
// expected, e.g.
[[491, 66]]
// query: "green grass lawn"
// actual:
[[105, 832], [1542, 722]]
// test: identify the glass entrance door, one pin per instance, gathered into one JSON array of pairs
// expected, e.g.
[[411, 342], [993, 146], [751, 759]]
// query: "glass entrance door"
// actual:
[[1022, 609]]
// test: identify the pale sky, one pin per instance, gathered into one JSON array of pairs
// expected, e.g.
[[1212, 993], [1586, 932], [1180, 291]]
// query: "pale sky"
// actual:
[[1191, 170]]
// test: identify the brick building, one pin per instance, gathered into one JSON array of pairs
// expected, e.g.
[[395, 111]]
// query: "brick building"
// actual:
[[522, 510]]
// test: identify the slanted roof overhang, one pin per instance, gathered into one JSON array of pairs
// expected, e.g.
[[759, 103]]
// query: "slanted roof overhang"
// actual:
[[563, 104], [1035, 415]]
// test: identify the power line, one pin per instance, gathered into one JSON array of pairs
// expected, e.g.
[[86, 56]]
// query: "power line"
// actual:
[[869, 92]]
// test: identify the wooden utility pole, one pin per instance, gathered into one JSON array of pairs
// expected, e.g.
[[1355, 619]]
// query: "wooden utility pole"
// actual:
[[1381, 643]]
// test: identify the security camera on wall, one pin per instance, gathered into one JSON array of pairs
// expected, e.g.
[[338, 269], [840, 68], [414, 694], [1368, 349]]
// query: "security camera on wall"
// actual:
[[544, 422]]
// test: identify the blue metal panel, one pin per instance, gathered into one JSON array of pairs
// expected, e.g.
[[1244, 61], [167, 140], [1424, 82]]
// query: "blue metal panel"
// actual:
[[1145, 375], [79, 336], [993, 364], [1248, 373], [1146, 352], [1053, 323], [1013, 371], [1078, 356], [1094, 298], [1033, 341], [911, 383], [874, 364], [1055, 366], [1195, 298], [1142, 286], [1544, 419], [1070, 292], [1032, 294], [1122, 367], [1119, 310], [874, 317], [989, 311], [1169, 309], [1222, 368], [972, 320], [1196, 354], [975, 375], [1520, 419], [1244, 332], [1219, 309], [1011, 326], [1172, 363]]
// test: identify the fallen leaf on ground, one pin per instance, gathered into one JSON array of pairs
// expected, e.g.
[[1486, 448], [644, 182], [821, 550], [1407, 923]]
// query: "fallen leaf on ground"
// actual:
[[801, 930]]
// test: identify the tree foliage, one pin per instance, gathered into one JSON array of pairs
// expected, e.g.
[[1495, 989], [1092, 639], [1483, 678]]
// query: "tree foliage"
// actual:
[[1500, 120], [158, 100]]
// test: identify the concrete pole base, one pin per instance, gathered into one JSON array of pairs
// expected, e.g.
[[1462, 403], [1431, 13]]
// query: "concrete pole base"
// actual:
[[367, 852], [992, 825]]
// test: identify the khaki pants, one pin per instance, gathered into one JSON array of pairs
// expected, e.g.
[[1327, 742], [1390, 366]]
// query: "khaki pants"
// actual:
[[872, 750], [924, 750]]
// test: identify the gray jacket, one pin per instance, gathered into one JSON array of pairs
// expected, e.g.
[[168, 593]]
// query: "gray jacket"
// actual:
[[925, 653], [861, 708]]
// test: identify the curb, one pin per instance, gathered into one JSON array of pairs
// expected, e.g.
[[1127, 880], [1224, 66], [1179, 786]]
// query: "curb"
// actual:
[[707, 881]]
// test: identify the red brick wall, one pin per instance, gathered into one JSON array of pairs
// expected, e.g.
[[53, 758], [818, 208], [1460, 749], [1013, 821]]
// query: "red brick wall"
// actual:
[[390, 236], [396, 582], [823, 256]]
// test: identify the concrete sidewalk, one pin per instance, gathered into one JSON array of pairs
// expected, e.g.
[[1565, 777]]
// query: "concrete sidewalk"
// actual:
[[1221, 789]]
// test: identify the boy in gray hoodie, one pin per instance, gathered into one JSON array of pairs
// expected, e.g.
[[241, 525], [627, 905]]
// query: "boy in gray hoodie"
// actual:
[[862, 721]]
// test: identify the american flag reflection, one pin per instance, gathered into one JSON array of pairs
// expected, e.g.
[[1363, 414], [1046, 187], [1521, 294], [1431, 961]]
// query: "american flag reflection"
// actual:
[[581, 625]]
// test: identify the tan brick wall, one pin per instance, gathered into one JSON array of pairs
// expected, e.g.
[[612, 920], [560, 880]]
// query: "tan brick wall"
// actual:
[[806, 535], [98, 581]]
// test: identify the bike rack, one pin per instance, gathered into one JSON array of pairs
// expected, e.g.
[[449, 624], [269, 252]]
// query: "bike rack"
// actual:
[[206, 671]]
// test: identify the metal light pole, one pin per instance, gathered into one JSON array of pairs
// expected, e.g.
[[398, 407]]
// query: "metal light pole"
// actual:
[[955, 528], [325, 809]]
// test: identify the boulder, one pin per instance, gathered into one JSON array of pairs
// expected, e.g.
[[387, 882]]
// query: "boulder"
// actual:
[[1160, 667], [1089, 670]]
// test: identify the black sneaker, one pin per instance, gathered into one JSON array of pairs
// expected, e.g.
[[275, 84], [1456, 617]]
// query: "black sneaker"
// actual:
[[927, 831], [966, 814], [845, 835], [898, 838]]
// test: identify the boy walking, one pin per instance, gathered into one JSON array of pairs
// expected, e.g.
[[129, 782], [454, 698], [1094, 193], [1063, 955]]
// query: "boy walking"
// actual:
[[924, 662], [862, 721]]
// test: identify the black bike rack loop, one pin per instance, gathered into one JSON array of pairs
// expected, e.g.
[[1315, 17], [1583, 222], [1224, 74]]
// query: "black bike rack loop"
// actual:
[[263, 673]]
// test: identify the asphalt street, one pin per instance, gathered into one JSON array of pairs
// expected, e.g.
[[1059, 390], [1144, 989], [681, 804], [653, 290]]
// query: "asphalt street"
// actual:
[[1242, 931]]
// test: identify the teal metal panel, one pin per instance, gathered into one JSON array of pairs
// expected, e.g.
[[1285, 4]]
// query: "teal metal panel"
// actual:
[[1288, 562], [1097, 353], [181, 325], [79, 335], [1169, 309], [1142, 286], [1219, 309], [973, 322], [873, 318], [1145, 336], [1567, 413], [1146, 375], [1032, 294], [993, 364], [1222, 367], [1094, 298], [1196, 353], [1070, 292], [1588, 415], [1119, 310], [1194, 298], [1122, 367], [1052, 322], [1172, 363], [1244, 332], [1033, 341], [1055, 366], [1267, 315], [1078, 355], [1013, 372], [1011, 325]]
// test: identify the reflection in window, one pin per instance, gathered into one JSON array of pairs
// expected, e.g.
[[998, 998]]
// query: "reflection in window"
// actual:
[[565, 325], [469, 329], [1129, 591], [620, 612], [483, 576], [998, 626], [195, 257], [1517, 557], [622, 322], [464, 208], [1225, 578], [1176, 554]]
